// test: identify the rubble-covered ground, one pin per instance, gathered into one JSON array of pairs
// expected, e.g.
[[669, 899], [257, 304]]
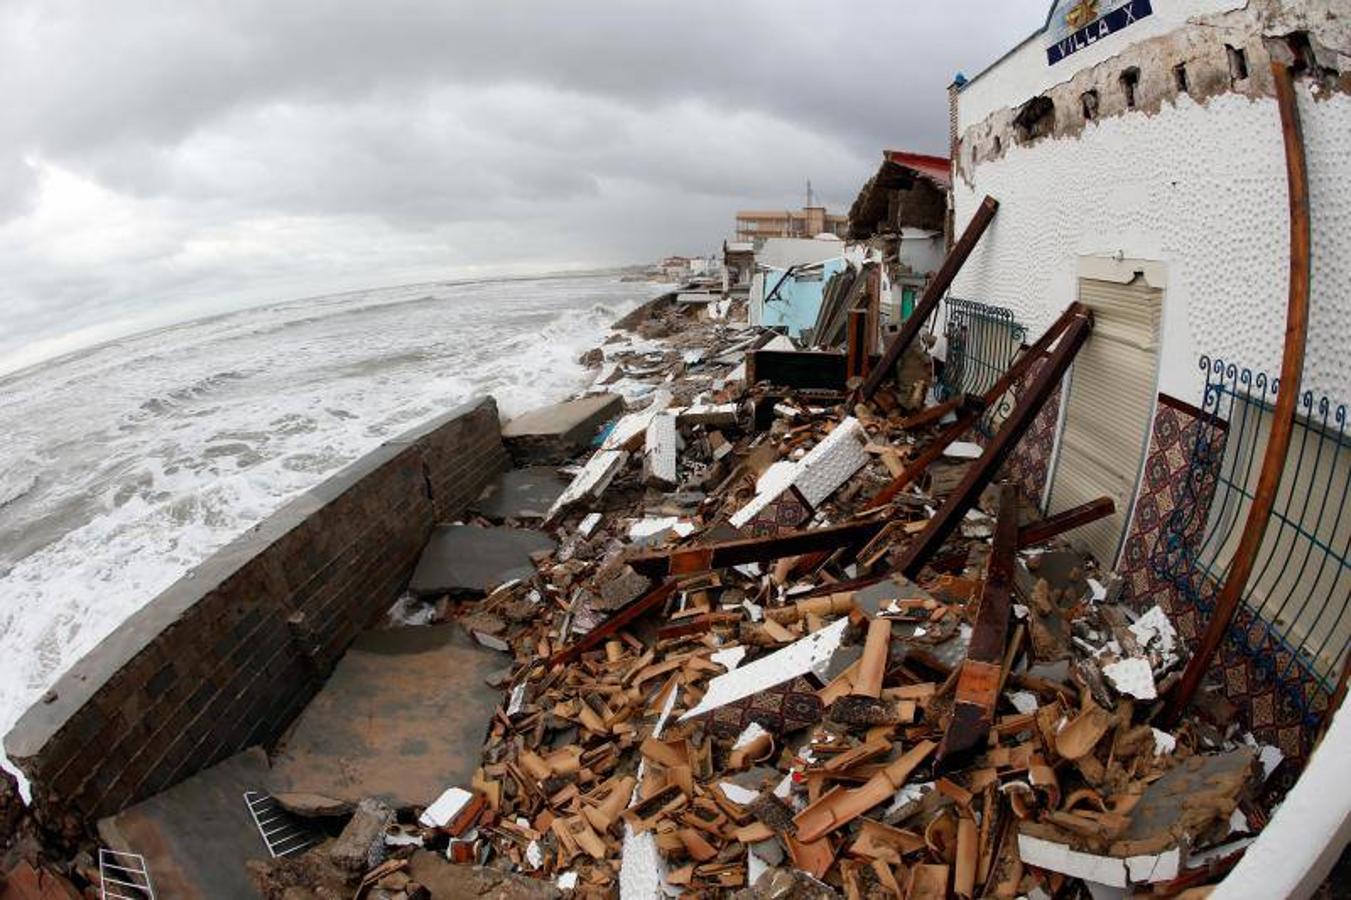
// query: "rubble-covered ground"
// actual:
[[689, 709]]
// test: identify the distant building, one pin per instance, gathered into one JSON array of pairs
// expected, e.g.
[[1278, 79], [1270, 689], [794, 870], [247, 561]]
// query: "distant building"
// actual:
[[738, 265], [752, 224]]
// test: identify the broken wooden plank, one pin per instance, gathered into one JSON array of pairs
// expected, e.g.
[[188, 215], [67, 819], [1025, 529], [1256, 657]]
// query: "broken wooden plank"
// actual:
[[687, 560], [1052, 526], [631, 611], [982, 470], [980, 676], [934, 292]]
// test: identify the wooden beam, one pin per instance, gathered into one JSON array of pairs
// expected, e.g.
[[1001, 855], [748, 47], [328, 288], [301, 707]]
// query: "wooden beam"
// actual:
[[931, 414], [982, 470], [855, 343], [626, 614], [934, 292], [1040, 532], [1282, 416], [972, 411], [982, 671], [701, 558]]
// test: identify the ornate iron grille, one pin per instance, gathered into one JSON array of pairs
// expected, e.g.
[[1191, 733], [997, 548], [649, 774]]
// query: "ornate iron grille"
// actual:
[[982, 342], [1293, 621]]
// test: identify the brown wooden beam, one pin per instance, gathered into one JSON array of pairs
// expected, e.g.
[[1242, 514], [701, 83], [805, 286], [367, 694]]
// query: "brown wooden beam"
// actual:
[[1040, 532], [931, 414], [968, 417], [855, 343], [928, 302], [982, 670], [701, 558], [626, 614], [982, 470], [1282, 416]]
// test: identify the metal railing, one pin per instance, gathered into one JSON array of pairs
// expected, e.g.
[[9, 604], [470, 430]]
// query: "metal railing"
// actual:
[[982, 341], [1294, 619]]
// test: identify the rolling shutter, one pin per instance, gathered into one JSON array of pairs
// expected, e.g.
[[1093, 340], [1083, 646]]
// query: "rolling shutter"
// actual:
[[1107, 415]]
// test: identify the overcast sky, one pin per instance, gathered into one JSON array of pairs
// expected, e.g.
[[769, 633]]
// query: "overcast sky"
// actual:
[[163, 160]]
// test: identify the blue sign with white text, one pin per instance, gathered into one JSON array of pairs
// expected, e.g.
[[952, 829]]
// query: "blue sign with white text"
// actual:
[[1077, 24]]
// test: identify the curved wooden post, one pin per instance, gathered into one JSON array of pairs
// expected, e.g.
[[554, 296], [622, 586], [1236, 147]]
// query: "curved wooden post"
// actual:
[[1283, 416]]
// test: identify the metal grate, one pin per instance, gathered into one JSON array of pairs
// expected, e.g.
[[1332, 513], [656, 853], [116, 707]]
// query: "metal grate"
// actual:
[[982, 342], [123, 876], [1294, 621], [283, 833]]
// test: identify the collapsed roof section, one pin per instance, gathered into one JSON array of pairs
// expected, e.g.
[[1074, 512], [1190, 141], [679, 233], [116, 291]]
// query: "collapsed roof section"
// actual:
[[910, 190]]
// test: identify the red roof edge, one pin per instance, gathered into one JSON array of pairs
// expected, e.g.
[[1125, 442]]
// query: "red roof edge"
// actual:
[[938, 168]]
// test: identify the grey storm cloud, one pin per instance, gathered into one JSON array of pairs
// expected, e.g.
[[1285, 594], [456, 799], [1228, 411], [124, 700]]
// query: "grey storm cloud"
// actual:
[[183, 156]]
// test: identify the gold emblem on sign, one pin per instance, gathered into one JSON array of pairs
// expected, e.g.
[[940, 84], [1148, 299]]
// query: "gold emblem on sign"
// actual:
[[1081, 13]]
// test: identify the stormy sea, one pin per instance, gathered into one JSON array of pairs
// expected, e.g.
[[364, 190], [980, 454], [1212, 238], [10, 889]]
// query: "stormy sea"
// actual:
[[125, 465]]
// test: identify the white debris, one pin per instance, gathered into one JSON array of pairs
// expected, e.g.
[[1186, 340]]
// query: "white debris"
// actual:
[[1024, 701], [963, 450], [591, 481], [907, 794], [1109, 870], [628, 430], [517, 700], [810, 655], [817, 475], [666, 709], [736, 793], [1132, 676], [534, 855], [730, 657], [1154, 626], [585, 527], [567, 881], [445, 808], [1163, 742], [753, 732], [1099, 591], [660, 451]]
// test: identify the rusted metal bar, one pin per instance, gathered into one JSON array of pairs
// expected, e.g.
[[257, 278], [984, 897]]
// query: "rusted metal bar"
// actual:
[[1061, 522], [1282, 416], [981, 672], [626, 614], [934, 292], [688, 560], [971, 413], [982, 470]]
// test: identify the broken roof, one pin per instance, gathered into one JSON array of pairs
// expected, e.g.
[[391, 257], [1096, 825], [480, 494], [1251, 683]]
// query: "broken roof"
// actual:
[[900, 169]]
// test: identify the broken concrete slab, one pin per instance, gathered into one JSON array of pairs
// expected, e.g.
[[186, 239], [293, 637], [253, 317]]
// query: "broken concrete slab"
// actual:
[[197, 836], [591, 481], [551, 434], [402, 716], [520, 494], [470, 559]]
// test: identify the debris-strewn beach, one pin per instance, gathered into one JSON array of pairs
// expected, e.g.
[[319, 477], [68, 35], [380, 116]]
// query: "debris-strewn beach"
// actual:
[[711, 655]]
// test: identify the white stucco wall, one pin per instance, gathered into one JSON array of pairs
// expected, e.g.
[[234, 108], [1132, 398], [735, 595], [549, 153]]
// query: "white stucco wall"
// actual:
[[1201, 188], [1023, 73]]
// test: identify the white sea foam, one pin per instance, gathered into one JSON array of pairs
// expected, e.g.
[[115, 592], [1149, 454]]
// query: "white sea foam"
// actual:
[[124, 466]]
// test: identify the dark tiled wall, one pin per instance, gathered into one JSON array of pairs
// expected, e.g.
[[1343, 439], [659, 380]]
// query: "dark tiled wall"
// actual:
[[227, 656]]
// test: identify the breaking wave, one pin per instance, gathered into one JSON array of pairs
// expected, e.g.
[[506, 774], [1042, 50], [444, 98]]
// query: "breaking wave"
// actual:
[[126, 465]]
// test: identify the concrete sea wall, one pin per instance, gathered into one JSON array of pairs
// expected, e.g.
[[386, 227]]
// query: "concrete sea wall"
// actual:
[[228, 655]]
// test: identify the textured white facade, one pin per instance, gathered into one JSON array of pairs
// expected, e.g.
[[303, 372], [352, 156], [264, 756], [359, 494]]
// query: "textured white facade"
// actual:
[[1199, 188]]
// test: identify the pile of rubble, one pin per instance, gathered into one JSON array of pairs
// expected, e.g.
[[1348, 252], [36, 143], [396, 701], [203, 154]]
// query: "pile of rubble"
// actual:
[[749, 665]]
